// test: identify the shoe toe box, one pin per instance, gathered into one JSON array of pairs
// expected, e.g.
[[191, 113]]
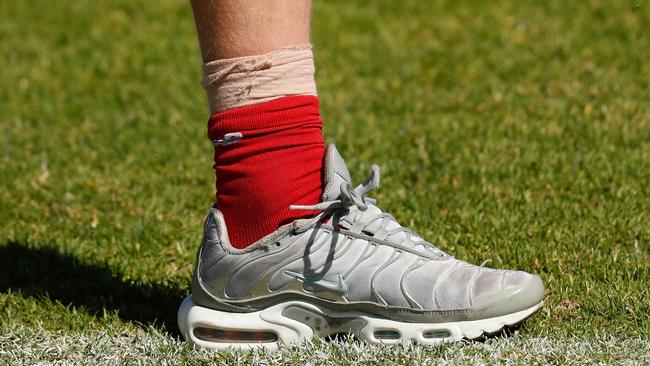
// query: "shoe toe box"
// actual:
[[518, 291]]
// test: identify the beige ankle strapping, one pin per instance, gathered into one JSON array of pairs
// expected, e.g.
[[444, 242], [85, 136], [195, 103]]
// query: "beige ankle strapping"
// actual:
[[236, 82]]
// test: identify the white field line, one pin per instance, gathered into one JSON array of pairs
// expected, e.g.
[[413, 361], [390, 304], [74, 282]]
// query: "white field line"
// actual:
[[28, 346]]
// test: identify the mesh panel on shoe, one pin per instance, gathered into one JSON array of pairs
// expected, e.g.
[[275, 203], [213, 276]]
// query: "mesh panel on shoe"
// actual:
[[514, 278], [387, 282], [487, 281], [344, 262], [452, 291], [419, 282], [210, 271], [246, 277], [359, 278], [318, 255]]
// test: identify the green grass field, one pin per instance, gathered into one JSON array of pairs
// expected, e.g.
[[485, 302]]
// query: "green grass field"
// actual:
[[515, 131]]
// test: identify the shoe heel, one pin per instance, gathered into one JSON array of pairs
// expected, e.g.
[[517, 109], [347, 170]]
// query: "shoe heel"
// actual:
[[215, 329]]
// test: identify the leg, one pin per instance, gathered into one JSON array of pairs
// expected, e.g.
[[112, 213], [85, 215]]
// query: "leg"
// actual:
[[264, 277], [229, 29], [259, 79]]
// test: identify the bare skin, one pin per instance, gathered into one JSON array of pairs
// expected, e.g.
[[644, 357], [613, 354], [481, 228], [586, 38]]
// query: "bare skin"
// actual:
[[231, 28]]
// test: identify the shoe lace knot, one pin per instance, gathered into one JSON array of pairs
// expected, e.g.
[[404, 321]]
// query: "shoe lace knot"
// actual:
[[350, 198]]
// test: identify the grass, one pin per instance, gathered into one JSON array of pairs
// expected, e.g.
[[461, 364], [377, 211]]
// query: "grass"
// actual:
[[108, 347], [517, 131]]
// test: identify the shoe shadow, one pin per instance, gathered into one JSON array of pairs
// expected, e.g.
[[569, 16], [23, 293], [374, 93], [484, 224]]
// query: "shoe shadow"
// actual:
[[37, 272]]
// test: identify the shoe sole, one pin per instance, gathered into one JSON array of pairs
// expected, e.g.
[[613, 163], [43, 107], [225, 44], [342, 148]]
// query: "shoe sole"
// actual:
[[298, 321]]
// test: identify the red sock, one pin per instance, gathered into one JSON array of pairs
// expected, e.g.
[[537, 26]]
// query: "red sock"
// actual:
[[277, 163]]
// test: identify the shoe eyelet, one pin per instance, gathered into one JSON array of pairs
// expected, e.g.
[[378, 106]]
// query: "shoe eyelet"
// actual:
[[277, 244]]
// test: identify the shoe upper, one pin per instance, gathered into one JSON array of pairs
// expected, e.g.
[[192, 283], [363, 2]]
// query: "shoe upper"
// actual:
[[353, 256]]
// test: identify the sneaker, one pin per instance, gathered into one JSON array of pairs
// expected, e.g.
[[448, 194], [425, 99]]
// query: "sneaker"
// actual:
[[350, 269]]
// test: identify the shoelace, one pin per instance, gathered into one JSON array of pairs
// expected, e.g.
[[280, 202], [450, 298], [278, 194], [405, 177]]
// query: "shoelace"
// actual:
[[356, 197]]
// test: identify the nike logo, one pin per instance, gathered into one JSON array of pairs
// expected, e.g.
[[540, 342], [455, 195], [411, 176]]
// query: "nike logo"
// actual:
[[339, 287]]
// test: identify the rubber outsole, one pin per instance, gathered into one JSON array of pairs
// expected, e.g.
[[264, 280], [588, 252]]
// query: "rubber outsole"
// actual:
[[298, 321]]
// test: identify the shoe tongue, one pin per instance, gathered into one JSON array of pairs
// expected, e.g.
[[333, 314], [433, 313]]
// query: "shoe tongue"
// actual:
[[336, 173]]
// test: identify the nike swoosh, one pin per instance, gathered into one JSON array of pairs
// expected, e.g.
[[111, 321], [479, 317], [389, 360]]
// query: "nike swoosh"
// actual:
[[340, 287]]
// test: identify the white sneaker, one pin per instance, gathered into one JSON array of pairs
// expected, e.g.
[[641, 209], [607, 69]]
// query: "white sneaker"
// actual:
[[350, 269]]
